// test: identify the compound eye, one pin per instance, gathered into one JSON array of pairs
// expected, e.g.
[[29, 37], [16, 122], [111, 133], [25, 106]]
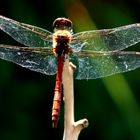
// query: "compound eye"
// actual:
[[69, 24], [55, 25], [62, 23]]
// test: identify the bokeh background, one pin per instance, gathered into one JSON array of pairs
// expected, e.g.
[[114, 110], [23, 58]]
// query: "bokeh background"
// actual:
[[112, 104]]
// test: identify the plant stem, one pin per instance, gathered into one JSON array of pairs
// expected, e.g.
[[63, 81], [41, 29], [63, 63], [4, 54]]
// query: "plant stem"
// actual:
[[71, 128]]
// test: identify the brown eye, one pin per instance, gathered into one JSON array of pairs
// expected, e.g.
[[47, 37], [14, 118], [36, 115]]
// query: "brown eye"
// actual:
[[62, 23], [55, 25]]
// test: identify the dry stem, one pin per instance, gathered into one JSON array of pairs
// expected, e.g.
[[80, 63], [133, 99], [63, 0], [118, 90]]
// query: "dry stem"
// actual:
[[71, 128]]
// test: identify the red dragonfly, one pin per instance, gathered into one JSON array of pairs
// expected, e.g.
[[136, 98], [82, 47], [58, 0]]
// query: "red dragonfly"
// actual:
[[96, 53]]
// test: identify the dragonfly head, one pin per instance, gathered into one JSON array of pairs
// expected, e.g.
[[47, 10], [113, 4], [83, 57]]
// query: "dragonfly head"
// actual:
[[62, 24]]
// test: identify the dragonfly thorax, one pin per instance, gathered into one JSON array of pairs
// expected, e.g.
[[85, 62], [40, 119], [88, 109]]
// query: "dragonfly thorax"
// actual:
[[61, 40], [62, 45]]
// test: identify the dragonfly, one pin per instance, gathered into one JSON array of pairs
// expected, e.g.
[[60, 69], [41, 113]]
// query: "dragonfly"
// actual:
[[96, 53]]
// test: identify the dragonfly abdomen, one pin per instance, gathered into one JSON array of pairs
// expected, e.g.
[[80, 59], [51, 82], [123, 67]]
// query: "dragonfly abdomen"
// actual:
[[57, 92]]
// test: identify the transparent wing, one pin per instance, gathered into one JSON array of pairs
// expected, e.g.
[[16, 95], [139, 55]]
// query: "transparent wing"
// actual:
[[92, 65], [107, 39], [36, 59], [28, 35]]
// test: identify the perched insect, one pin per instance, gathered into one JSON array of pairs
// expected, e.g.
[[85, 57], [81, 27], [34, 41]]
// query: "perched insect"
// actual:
[[96, 53]]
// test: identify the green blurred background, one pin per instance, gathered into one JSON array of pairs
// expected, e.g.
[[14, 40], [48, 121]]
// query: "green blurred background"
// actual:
[[112, 104]]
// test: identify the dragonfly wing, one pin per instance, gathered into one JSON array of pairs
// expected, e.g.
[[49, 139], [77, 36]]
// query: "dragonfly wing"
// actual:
[[28, 35], [36, 59], [92, 65], [107, 39]]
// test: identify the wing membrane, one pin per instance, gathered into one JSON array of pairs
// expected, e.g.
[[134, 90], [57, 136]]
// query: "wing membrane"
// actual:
[[107, 39], [92, 65], [36, 59], [28, 35]]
